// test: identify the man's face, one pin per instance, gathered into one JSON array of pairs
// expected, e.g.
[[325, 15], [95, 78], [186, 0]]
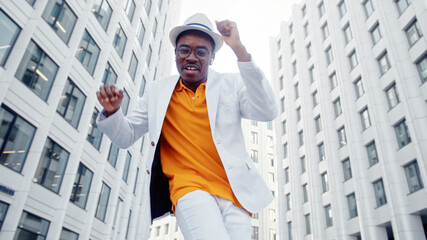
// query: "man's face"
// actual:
[[193, 68]]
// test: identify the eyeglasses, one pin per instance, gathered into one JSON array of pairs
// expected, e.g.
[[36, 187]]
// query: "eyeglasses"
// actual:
[[184, 52]]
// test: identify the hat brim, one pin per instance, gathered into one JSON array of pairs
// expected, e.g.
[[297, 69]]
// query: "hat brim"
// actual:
[[174, 33]]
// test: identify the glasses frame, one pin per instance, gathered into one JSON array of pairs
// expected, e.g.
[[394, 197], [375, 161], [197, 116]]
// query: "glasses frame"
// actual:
[[179, 52]]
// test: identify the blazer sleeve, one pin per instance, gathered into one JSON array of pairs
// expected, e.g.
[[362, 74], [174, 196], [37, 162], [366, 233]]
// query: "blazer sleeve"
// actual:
[[256, 98]]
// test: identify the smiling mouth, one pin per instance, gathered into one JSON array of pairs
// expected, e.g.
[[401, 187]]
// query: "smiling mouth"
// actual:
[[191, 68]]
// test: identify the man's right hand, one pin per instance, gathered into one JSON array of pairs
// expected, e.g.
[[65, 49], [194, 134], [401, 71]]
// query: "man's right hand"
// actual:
[[110, 98]]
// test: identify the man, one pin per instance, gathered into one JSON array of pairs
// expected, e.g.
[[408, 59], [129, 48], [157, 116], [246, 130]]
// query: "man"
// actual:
[[197, 160]]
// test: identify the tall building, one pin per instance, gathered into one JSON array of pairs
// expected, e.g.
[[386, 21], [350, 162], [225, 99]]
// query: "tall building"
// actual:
[[60, 178], [352, 135]]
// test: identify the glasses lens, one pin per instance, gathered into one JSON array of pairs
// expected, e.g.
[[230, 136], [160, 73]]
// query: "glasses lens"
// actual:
[[184, 52], [201, 53]]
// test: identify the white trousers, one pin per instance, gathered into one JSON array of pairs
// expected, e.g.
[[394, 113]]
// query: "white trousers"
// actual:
[[203, 216]]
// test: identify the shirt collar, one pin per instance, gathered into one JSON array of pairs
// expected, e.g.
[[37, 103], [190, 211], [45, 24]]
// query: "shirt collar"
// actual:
[[180, 86]]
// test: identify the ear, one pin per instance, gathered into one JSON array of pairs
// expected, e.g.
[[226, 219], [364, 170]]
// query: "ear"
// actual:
[[212, 59]]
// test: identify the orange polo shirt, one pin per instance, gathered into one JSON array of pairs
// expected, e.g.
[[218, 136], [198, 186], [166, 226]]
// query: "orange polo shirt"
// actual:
[[188, 154]]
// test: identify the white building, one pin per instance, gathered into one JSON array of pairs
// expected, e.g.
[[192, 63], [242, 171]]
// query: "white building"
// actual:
[[59, 177], [352, 135]]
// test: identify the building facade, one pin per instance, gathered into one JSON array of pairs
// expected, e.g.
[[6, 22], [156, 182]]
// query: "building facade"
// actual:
[[352, 134], [60, 178]]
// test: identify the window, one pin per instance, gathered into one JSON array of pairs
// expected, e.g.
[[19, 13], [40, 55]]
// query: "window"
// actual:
[[308, 49], [125, 102], [154, 29], [296, 88], [279, 44], [81, 186], [271, 178], [148, 58], [37, 70], [318, 124], [342, 138], [422, 68], [346, 167], [303, 164], [290, 230], [306, 32], [130, 9], [279, 62], [282, 84], [110, 76], [321, 9], [102, 11], [301, 138], [337, 107], [68, 235], [402, 133], [311, 73], [88, 52], [72, 102], [325, 31], [298, 113], [142, 87], [94, 135], [31, 2], [52, 164], [383, 63], [128, 225], [325, 182], [315, 98], [328, 215], [133, 66], [307, 224], [272, 235], [285, 150], [333, 80], [294, 68], [254, 123], [342, 8], [9, 31], [31, 227], [113, 155], [321, 151], [369, 8], [402, 5], [292, 47], [371, 149], [348, 36], [375, 34], [255, 233], [304, 10], [287, 175], [119, 42], [353, 59], [101, 208], [392, 96], [379, 193], [61, 18], [270, 125], [305, 192], [3, 211], [291, 28], [352, 207], [358, 87], [270, 141], [271, 158], [140, 32], [284, 127], [413, 177], [254, 155], [365, 119], [288, 202], [136, 181], [329, 56], [148, 6], [16, 136], [254, 138]]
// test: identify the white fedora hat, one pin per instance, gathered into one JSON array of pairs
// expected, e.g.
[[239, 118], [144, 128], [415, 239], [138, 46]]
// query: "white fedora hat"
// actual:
[[199, 22]]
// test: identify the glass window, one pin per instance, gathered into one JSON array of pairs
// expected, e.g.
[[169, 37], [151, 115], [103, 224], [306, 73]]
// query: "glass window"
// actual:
[[333, 80], [3, 211], [325, 182], [321, 9], [325, 31], [369, 8], [294, 68], [348, 36], [413, 32], [318, 124], [133, 66], [68, 235], [81, 186], [31, 2], [383, 63], [371, 149], [379, 193], [52, 164], [413, 177], [136, 180], [94, 135], [422, 68], [119, 41], [296, 88], [270, 177], [88, 52], [328, 215], [311, 73], [155, 28], [282, 104], [282, 84], [72, 102], [37, 70], [315, 98], [142, 88], [306, 32], [353, 59], [272, 235], [254, 155], [346, 167], [392, 96], [113, 155], [130, 9], [255, 233], [342, 138], [304, 10], [291, 28], [126, 167], [148, 58], [290, 230], [101, 208], [128, 225], [148, 6], [140, 32], [321, 151], [31, 227], [288, 202], [337, 107], [308, 49], [270, 125], [402, 133], [271, 158], [305, 192], [254, 138], [301, 138], [307, 224], [342, 8], [279, 61], [16, 136], [285, 150], [9, 31], [352, 207], [358, 86], [298, 114], [402, 5], [329, 55], [303, 164], [292, 47], [110, 76], [61, 18], [102, 11], [287, 175], [376, 33], [364, 117], [125, 102]]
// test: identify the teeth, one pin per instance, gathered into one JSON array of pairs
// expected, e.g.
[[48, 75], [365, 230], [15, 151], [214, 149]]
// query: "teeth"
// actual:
[[190, 68]]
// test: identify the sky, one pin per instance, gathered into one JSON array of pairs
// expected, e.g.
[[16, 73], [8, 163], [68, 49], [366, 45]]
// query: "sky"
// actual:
[[257, 21]]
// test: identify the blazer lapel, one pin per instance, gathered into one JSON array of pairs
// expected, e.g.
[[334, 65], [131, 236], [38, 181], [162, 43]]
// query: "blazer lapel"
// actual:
[[212, 97], [164, 95]]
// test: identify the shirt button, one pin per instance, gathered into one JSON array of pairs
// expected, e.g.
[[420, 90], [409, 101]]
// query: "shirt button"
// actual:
[[152, 144], [148, 171], [193, 98]]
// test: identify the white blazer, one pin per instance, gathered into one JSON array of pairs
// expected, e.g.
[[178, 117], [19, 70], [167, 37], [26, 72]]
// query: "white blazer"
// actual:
[[229, 97]]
